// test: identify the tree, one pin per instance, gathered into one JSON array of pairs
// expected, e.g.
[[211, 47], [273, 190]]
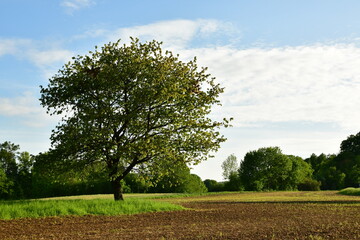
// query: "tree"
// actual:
[[8, 155], [8, 169], [348, 160], [300, 174], [326, 171], [270, 169], [133, 108], [351, 144], [230, 166], [6, 185], [24, 175], [214, 186], [234, 183]]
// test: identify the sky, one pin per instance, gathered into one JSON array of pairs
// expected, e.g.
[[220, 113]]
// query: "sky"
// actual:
[[291, 69]]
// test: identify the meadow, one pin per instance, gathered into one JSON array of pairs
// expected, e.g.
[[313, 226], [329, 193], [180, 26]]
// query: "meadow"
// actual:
[[241, 215]]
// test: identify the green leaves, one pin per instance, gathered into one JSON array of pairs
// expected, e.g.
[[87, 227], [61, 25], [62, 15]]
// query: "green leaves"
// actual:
[[270, 169], [128, 105]]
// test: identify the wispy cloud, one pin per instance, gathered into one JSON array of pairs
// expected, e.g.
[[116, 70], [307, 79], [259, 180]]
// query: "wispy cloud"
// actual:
[[175, 33], [12, 46], [46, 59], [74, 5], [25, 108], [49, 57]]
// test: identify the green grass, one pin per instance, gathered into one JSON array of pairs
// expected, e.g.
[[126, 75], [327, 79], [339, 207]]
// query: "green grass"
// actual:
[[280, 196], [41, 208], [350, 191], [140, 203]]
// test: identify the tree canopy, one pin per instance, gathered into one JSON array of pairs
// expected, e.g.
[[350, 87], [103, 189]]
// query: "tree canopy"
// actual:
[[132, 108], [270, 169], [351, 144]]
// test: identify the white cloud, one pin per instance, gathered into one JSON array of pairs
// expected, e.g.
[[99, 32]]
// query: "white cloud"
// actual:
[[318, 83], [311, 83], [175, 34], [18, 106], [26, 108], [49, 57], [48, 60], [72, 5], [13, 46]]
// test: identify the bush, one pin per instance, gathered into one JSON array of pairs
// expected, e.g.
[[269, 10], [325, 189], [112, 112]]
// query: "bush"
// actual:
[[350, 191], [309, 185], [214, 186]]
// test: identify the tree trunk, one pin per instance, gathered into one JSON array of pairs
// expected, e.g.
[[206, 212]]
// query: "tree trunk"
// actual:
[[118, 190]]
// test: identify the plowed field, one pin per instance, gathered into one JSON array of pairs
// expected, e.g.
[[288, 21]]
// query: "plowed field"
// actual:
[[206, 218]]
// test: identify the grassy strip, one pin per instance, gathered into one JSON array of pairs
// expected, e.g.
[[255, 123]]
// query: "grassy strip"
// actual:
[[350, 191], [39, 208], [137, 195]]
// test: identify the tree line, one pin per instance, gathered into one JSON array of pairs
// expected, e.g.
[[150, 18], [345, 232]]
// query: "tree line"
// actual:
[[268, 169], [24, 176]]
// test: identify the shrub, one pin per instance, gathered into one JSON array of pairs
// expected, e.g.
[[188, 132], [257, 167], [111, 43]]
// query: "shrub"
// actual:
[[309, 185], [350, 191]]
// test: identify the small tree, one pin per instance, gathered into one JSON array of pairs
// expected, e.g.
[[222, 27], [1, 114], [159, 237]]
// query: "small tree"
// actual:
[[133, 108], [230, 166]]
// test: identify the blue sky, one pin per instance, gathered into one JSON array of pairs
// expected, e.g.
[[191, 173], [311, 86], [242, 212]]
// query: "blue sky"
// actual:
[[290, 68]]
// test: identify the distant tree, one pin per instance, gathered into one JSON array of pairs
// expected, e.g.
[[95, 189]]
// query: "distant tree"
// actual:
[[348, 160], [234, 183], [136, 183], [316, 161], [326, 172], [341, 170], [180, 181], [309, 184], [8, 155], [301, 172], [8, 169], [351, 144], [214, 186], [6, 185], [195, 185], [264, 169], [15, 171], [230, 166], [270, 169], [48, 179], [24, 178], [349, 164], [133, 108]]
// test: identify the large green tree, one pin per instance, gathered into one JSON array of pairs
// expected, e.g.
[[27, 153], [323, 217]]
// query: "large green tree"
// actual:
[[134, 108]]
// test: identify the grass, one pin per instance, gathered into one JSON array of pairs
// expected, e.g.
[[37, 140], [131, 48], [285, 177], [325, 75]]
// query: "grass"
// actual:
[[266, 197], [140, 203], [350, 191], [136, 195], [41, 208]]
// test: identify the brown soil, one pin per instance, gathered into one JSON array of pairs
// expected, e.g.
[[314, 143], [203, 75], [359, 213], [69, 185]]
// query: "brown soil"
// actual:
[[204, 220]]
